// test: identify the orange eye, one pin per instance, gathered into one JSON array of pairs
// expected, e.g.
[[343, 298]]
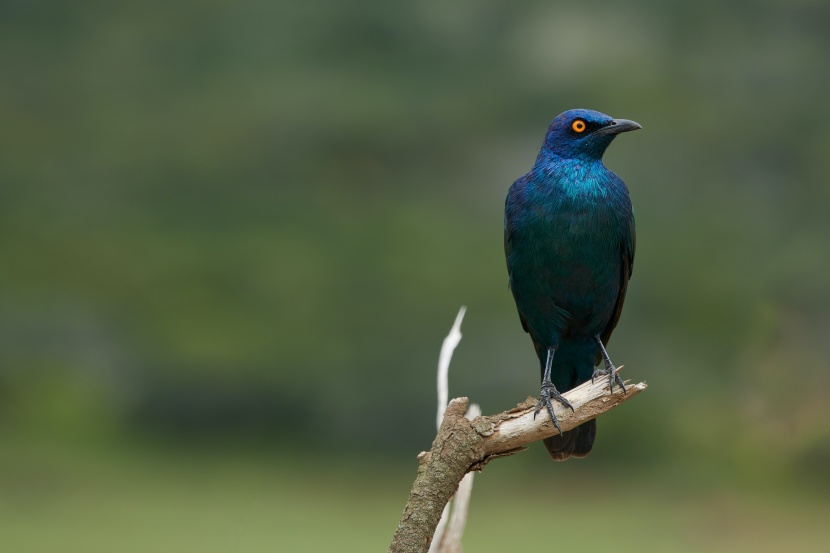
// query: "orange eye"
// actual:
[[578, 125]]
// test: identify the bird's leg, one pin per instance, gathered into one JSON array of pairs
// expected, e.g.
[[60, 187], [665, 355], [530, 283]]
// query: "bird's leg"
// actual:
[[609, 369], [549, 391]]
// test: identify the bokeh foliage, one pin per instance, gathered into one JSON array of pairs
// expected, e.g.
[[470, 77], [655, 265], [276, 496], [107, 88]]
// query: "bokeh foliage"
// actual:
[[249, 224]]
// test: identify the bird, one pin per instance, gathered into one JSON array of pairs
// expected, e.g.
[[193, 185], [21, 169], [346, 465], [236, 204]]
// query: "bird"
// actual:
[[569, 242]]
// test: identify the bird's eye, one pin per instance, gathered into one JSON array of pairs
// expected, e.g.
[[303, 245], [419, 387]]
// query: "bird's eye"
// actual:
[[578, 125]]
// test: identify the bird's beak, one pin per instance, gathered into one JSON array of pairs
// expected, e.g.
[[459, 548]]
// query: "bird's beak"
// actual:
[[616, 126]]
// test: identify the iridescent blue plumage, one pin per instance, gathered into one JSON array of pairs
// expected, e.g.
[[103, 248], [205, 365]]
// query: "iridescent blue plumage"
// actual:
[[569, 244]]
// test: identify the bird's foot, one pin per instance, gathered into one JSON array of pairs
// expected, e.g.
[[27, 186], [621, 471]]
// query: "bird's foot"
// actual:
[[613, 377], [549, 392]]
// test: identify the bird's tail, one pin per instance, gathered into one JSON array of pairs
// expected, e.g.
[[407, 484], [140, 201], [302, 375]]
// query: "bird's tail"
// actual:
[[573, 443], [572, 365]]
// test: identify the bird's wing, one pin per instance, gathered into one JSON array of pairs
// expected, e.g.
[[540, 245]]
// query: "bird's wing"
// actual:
[[627, 254], [509, 232], [508, 249]]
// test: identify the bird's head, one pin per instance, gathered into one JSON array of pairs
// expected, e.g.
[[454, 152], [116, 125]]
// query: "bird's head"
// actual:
[[583, 133]]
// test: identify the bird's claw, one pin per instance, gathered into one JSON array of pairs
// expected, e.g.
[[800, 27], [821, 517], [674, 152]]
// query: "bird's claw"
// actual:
[[613, 377], [549, 391]]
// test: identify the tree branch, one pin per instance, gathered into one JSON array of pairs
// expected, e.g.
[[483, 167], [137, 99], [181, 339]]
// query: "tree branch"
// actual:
[[450, 529], [463, 445]]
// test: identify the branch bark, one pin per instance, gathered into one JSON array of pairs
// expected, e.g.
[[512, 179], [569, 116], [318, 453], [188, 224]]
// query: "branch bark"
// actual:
[[450, 529], [463, 445]]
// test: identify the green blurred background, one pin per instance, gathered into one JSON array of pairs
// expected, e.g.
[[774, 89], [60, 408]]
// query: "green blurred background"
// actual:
[[234, 234]]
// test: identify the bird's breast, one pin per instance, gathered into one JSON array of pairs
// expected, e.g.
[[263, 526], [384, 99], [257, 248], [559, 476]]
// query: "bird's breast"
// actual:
[[572, 224], [566, 253]]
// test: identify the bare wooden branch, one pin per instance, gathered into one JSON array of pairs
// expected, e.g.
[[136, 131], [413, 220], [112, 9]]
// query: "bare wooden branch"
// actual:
[[455, 518], [463, 445], [450, 541]]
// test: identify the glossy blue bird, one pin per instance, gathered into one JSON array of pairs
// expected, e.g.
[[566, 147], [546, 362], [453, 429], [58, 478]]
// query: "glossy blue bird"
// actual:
[[569, 243]]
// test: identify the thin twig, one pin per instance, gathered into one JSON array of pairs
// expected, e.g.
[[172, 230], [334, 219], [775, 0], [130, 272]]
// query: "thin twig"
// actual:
[[447, 348]]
